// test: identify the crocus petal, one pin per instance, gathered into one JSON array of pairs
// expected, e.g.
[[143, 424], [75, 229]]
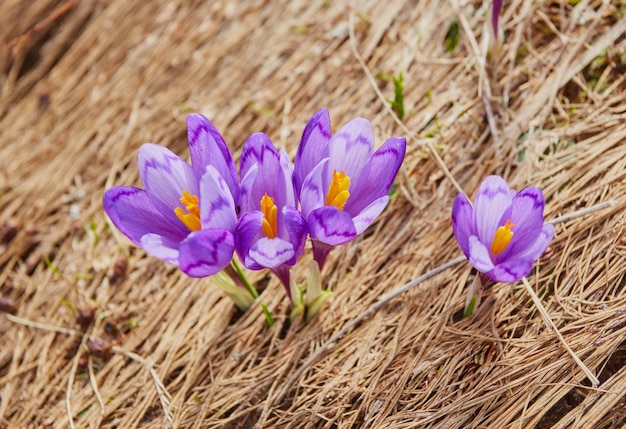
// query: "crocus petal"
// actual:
[[313, 146], [133, 212], [312, 195], [369, 214], [286, 168], [479, 255], [511, 271], [331, 226], [258, 149], [377, 176], [161, 247], [492, 202], [207, 147], [351, 147], [245, 202], [271, 252], [206, 252], [255, 150], [217, 208], [541, 243], [527, 216], [248, 228], [462, 221], [297, 230], [164, 175]]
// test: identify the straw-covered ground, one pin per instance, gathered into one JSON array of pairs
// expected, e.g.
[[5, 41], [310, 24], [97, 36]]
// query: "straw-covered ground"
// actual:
[[85, 82]]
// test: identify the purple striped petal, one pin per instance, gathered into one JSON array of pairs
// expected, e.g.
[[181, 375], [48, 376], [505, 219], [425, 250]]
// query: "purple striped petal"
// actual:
[[217, 208], [377, 176], [164, 175], [369, 214], [161, 247], [541, 243], [256, 149], [313, 146], [270, 179], [351, 148], [207, 147], [286, 168], [462, 222], [296, 229], [527, 216], [247, 230], [331, 226], [313, 194], [511, 271], [206, 252], [491, 206], [479, 255], [133, 212], [271, 252], [245, 201]]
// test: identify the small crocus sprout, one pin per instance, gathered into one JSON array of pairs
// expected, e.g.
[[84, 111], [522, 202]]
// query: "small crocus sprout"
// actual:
[[186, 213], [504, 233], [342, 183], [271, 232], [315, 295], [240, 296], [496, 9]]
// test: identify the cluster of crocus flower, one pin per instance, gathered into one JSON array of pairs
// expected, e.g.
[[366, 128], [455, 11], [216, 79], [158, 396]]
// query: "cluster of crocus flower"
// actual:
[[197, 216]]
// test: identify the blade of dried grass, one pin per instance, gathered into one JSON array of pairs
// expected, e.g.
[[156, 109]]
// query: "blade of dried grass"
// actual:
[[162, 392], [546, 318]]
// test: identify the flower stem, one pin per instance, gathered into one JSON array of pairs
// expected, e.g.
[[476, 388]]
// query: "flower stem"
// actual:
[[320, 252], [474, 295], [268, 316], [469, 308], [241, 276], [283, 273]]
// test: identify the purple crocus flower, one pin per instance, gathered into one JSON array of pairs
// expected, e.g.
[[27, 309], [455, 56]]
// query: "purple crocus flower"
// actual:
[[271, 232], [186, 214], [504, 233], [342, 183]]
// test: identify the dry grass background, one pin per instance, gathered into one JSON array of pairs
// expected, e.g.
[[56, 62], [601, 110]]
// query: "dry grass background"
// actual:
[[85, 82]]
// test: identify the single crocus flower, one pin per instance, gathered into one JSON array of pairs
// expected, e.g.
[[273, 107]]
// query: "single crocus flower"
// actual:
[[186, 213], [504, 233], [342, 183], [271, 232]]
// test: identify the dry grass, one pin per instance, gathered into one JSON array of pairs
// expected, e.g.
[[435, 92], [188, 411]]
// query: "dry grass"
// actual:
[[84, 83]]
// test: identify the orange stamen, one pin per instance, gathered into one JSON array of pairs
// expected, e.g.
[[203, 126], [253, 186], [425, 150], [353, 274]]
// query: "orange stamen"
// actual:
[[270, 212], [502, 238], [338, 192], [191, 218]]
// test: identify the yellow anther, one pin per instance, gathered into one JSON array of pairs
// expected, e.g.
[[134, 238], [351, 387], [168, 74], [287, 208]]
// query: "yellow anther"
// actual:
[[191, 218], [338, 190], [270, 211], [502, 238]]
